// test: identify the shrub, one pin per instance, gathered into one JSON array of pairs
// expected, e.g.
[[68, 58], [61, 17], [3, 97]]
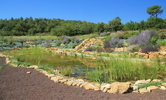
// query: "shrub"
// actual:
[[104, 34], [146, 40], [46, 45], [150, 48], [58, 43], [162, 35], [133, 48], [162, 43], [1, 67], [128, 35], [76, 40], [113, 43], [91, 48], [66, 40]]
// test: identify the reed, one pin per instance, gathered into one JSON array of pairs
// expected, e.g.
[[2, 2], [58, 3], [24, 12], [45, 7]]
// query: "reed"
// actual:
[[125, 69]]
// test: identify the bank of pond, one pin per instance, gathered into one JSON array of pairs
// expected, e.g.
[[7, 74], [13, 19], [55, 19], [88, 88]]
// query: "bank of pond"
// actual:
[[116, 68]]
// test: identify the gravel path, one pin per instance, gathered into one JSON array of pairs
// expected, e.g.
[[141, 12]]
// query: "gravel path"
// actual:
[[16, 84]]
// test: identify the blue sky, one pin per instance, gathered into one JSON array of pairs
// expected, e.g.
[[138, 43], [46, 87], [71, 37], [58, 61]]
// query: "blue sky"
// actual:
[[84, 10]]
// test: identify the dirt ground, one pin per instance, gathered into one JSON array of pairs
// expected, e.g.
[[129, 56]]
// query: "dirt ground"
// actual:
[[16, 84]]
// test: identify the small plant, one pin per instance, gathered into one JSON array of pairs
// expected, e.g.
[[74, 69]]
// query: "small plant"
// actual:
[[146, 40], [113, 43], [150, 84], [46, 68], [1, 67], [162, 42]]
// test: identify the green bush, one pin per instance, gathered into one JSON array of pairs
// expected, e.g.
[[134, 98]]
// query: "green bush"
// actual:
[[162, 42], [1, 67], [126, 36]]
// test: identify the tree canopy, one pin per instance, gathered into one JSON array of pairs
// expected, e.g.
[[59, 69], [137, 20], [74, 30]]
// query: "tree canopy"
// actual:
[[155, 10]]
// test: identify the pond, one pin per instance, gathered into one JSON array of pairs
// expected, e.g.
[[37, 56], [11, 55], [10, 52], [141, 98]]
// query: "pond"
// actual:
[[68, 65], [99, 70]]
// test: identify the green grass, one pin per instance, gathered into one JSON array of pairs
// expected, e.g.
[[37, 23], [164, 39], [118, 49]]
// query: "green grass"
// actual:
[[46, 68], [1, 67], [23, 64], [125, 69], [151, 84]]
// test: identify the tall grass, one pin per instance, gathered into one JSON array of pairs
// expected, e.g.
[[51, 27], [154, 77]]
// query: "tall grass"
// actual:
[[125, 69]]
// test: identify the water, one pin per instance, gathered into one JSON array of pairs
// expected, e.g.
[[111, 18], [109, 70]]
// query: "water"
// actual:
[[76, 66]]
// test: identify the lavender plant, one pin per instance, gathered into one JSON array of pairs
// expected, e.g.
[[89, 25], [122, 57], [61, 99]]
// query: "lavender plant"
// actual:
[[146, 40], [113, 43], [76, 40], [46, 45]]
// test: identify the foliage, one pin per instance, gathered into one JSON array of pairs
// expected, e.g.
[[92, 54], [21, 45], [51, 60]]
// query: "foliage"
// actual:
[[146, 40], [113, 43], [150, 84], [115, 24], [1, 67], [46, 68], [124, 68], [162, 42], [162, 35], [155, 10], [104, 34], [58, 27], [133, 48]]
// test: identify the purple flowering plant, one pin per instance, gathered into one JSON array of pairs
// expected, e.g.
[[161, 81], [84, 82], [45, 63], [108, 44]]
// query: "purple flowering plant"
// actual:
[[113, 43]]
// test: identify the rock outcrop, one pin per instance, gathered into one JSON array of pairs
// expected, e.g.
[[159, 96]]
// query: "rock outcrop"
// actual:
[[88, 42]]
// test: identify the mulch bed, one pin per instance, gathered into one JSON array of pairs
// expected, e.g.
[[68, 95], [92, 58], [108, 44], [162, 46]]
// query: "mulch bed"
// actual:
[[16, 84]]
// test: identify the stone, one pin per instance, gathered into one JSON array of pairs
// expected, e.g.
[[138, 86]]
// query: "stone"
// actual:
[[135, 88], [143, 90], [148, 80], [69, 83], [97, 89], [141, 82], [50, 75], [80, 80], [89, 87], [105, 90], [119, 87], [103, 86], [81, 85], [135, 91], [57, 71], [156, 80], [163, 84], [74, 84], [28, 72], [60, 78], [98, 86], [162, 88], [33, 66], [63, 80], [151, 88], [55, 79], [78, 84]]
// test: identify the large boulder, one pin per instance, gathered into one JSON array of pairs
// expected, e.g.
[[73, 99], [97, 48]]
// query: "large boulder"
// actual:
[[119, 87]]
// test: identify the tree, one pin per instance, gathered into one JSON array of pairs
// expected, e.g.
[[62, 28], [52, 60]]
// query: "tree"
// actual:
[[116, 24], [154, 10]]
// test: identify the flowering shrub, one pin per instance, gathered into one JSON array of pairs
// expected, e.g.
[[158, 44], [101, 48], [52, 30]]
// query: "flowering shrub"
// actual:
[[66, 40], [76, 40], [146, 40], [46, 45], [113, 43]]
